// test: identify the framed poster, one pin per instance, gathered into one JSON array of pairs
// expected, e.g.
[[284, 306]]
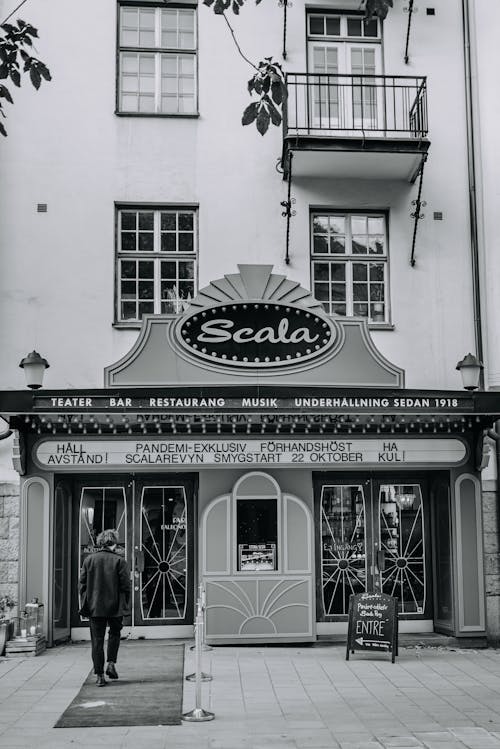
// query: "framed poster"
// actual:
[[257, 557]]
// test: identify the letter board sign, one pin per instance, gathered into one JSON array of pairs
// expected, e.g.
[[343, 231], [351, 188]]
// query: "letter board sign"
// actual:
[[373, 624]]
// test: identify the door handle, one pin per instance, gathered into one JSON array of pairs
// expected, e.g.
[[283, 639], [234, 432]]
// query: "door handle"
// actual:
[[139, 560], [381, 560]]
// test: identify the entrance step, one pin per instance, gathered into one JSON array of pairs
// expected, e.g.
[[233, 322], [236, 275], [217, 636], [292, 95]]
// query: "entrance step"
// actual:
[[424, 640]]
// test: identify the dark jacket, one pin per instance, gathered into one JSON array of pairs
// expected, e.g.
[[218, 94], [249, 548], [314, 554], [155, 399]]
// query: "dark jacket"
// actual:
[[105, 584]]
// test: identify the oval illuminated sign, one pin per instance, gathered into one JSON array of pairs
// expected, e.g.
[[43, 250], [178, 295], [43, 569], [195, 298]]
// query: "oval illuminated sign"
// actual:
[[256, 334]]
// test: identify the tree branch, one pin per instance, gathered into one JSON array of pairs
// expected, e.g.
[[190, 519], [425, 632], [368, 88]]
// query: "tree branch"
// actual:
[[14, 11], [236, 43]]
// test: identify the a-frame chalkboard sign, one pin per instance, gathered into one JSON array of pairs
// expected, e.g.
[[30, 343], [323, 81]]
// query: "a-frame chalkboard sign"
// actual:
[[373, 624]]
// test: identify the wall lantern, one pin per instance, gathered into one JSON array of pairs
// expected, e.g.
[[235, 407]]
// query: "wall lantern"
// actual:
[[470, 368], [34, 368]]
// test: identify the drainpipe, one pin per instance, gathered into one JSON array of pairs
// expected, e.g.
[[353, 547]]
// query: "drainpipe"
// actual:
[[471, 166]]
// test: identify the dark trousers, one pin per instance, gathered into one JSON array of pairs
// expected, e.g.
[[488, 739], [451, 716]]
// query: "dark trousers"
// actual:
[[97, 631]]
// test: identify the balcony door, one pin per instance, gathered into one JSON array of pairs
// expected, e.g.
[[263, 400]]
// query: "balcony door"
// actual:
[[345, 92], [373, 536]]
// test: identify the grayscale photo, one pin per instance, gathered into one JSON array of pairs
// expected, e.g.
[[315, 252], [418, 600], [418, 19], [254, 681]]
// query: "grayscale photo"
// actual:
[[249, 374]]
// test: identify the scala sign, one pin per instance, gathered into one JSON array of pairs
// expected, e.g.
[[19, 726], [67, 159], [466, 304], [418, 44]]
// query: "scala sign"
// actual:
[[256, 334]]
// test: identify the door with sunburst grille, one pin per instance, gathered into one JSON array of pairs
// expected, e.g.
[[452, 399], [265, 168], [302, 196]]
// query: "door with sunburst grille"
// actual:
[[163, 552], [374, 536]]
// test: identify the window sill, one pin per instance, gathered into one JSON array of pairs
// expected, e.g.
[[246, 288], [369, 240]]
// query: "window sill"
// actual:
[[381, 326], [137, 324], [160, 115], [127, 325]]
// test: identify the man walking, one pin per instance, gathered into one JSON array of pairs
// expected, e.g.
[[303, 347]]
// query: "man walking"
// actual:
[[105, 599]]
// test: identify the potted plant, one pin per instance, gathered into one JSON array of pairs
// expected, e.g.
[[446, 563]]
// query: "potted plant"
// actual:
[[7, 603]]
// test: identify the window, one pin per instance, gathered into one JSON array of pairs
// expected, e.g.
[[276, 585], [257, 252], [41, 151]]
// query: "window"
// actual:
[[349, 264], [257, 534], [156, 261], [157, 60], [320, 24]]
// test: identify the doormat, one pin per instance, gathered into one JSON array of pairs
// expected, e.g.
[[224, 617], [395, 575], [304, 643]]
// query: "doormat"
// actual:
[[148, 692]]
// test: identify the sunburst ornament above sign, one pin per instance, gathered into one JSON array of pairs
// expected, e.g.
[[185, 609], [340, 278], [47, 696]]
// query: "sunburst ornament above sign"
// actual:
[[255, 320]]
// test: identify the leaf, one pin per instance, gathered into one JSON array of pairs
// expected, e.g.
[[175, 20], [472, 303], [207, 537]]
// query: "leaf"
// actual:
[[45, 72], [251, 85], [250, 113], [219, 7], [29, 29], [5, 94], [277, 91], [378, 8], [208, 2], [35, 76], [3, 131], [15, 77], [273, 112], [266, 84], [263, 120], [4, 71], [235, 7]]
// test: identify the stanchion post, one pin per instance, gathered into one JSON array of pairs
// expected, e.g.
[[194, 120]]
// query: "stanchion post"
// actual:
[[200, 623], [203, 597], [198, 713]]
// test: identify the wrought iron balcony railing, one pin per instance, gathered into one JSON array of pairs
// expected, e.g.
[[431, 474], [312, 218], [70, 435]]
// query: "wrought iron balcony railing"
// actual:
[[335, 105]]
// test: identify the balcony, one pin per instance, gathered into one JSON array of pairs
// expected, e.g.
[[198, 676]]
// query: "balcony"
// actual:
[[351, 126]]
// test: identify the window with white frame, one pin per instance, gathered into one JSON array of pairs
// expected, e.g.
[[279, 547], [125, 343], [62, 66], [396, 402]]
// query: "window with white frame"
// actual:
[[156, 261], [349, 264], [157, 60]]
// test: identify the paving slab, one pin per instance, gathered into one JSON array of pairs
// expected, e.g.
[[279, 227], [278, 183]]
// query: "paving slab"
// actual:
[[277, 698]]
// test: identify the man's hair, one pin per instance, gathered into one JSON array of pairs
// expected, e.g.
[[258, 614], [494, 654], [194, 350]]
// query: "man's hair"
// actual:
[[107, 538]]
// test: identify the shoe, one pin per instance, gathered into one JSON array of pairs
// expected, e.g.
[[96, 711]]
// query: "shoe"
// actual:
[[100, 680], [111, 671]]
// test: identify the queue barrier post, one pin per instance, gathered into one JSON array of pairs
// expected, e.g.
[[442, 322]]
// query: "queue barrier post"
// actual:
[[202, 600], [198, 714], [203, 676]]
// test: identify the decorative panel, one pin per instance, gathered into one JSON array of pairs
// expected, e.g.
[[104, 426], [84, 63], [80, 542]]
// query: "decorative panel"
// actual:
[[216, 543], [469, 555], [297, 542], [257, 608]]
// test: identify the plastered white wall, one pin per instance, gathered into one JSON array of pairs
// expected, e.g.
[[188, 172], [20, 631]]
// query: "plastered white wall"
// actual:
[[67, 148]]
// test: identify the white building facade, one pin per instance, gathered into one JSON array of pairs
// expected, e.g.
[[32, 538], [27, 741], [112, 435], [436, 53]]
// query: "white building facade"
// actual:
[[130, 195]]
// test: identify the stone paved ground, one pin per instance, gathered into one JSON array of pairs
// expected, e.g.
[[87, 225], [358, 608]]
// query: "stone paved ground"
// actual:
[[277, 698]]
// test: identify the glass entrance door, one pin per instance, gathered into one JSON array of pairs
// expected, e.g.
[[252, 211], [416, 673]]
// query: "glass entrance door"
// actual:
[[163, 566], [374, 537], [154, 518]]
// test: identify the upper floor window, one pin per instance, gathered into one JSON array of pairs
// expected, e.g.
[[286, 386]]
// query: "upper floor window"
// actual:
[[157, 256], [157, 60], [349, 264], [348, 27]]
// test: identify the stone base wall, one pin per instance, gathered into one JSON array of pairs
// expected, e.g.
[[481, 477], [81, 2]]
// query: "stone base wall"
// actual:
[[491, 541], [9, 541]]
